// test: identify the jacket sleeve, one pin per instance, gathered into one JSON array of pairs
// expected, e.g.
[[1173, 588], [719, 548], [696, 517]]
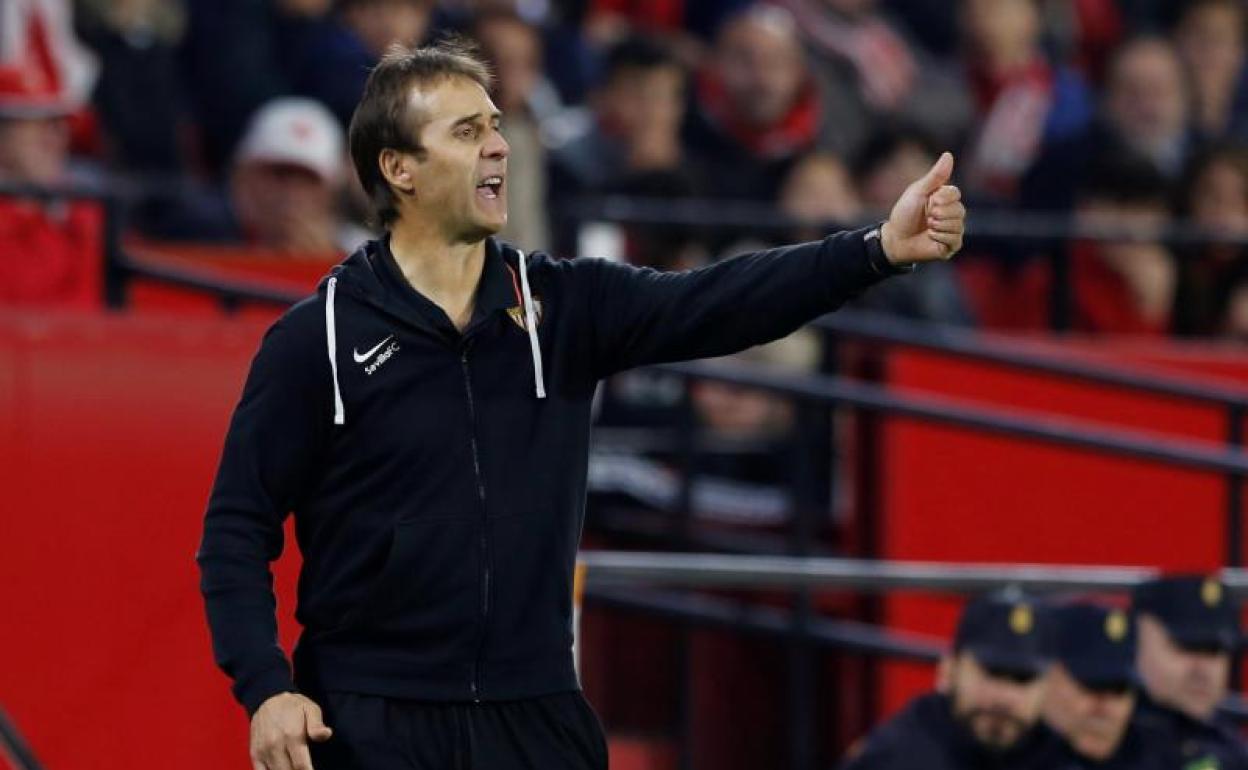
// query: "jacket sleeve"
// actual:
[[641, 316], [270, 451]]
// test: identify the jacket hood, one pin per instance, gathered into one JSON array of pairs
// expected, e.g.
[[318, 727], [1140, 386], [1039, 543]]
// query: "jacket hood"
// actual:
[[504, 284]]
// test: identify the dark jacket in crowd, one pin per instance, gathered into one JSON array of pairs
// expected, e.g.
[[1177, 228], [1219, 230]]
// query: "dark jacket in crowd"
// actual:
[[926, 736], [1141, 749], [1203, 745]]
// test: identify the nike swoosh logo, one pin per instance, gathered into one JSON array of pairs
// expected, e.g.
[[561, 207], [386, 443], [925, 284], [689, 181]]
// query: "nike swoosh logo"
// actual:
[[362, 357]]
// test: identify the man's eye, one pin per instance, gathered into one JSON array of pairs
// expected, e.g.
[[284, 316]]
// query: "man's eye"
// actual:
[[467, 132]]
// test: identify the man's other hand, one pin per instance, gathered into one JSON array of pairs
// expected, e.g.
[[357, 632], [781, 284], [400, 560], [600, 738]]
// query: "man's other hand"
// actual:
[[927, 222], [281, 729]]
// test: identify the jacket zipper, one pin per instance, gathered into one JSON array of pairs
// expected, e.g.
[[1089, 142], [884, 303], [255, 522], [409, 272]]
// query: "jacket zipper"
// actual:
[[485, 543]]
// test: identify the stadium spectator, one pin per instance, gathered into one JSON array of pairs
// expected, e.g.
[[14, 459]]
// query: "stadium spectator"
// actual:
[[316, 48], [1210, 38], [870, 72], [1146, 103], [635, 132], [632, 146], [1216, 200], [287, 174], [514, 48], [1122, 282], [1188, 627], [1124, 286], [819, 191], [140, 98], [331, 59], [1091, 696], [758, 106], [50, 250], [986, 708], [1144, 108], [261, 39], [1082, 34], [1023, 101]]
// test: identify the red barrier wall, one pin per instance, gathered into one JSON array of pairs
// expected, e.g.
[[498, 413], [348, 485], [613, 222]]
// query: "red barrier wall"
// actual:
[[111, 432], [956, 495]]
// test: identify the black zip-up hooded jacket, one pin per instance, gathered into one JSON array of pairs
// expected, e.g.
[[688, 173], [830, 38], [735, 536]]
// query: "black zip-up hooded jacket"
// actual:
[[437, 478]]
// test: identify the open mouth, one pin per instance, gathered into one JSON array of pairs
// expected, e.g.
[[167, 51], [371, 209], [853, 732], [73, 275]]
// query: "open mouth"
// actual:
[[491, 186]]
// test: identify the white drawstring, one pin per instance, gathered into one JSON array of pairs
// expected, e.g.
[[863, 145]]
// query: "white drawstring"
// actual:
[[331, 341], [530, 322]]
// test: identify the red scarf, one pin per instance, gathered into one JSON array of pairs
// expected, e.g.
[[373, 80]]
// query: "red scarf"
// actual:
[[1102, 298], [794, 132]]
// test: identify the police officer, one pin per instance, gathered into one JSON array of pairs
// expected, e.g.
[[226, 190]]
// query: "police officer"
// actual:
[[1187, 629], [985, 712], [1091, 696]]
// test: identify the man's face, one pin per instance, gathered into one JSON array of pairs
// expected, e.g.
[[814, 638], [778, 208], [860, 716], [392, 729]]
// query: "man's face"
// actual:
[[1211, 40], [463, 151], [1000, 28], [516, 52], [1146, 95], [285, 206], [1191, 681], [1092, 721], [819, 190], [34, 150], [760, 63], [996, 707], [639, 100], [891, 177]]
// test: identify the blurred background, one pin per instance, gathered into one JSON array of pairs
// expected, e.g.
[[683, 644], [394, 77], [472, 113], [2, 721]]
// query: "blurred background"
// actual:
[[1070, 391]]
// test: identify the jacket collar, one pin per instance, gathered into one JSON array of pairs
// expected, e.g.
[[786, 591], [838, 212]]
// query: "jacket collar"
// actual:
[[360, 276]]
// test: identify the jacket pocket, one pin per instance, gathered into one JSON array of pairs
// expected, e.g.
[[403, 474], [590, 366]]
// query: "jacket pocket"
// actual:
[[425, 598], [532, 568]]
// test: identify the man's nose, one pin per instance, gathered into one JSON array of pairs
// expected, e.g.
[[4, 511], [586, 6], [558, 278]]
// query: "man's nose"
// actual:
[[496, 147]]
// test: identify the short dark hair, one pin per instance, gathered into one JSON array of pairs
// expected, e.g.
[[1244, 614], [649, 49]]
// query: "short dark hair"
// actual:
[[638, 52], [885, 142], [384, 118]]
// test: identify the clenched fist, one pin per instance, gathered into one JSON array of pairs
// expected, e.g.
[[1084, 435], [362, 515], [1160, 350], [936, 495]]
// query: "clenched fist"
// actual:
[[927, 222], [281, 729]]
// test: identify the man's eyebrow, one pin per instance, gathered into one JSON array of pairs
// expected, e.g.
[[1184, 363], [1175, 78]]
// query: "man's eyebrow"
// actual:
[[475, 116]]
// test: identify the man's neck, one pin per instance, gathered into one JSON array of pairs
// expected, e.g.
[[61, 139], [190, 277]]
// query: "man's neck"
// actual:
[[447, 273]]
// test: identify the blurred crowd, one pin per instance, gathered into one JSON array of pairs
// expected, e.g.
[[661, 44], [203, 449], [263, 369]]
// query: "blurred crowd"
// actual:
[[224, 121], [1076, 685]]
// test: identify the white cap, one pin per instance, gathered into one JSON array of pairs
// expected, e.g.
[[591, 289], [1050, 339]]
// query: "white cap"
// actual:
[[298, 131]]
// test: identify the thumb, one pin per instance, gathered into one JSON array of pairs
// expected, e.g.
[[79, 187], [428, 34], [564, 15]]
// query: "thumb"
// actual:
[[316, 728], [938, 175]]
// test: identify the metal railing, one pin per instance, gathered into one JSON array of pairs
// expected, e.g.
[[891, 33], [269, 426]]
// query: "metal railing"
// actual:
[[14, 748], [998, 350], [1050, 232], [629, 581]]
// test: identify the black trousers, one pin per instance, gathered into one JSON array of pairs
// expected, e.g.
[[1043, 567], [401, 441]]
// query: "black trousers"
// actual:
[[371, 732]]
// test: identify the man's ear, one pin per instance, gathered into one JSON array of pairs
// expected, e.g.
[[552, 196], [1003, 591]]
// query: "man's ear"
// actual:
[[398, 169]]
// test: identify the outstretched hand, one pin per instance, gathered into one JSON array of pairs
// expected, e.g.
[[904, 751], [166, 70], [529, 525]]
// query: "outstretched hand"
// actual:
[[927, 222]]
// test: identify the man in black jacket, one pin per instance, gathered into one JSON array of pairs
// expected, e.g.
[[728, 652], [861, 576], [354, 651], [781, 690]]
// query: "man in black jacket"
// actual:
[[985, 713], [1188, 629], [425, 416], [1091, 698]]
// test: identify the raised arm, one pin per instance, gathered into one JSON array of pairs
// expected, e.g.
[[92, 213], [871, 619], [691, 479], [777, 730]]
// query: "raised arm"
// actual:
[[641, 316]]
